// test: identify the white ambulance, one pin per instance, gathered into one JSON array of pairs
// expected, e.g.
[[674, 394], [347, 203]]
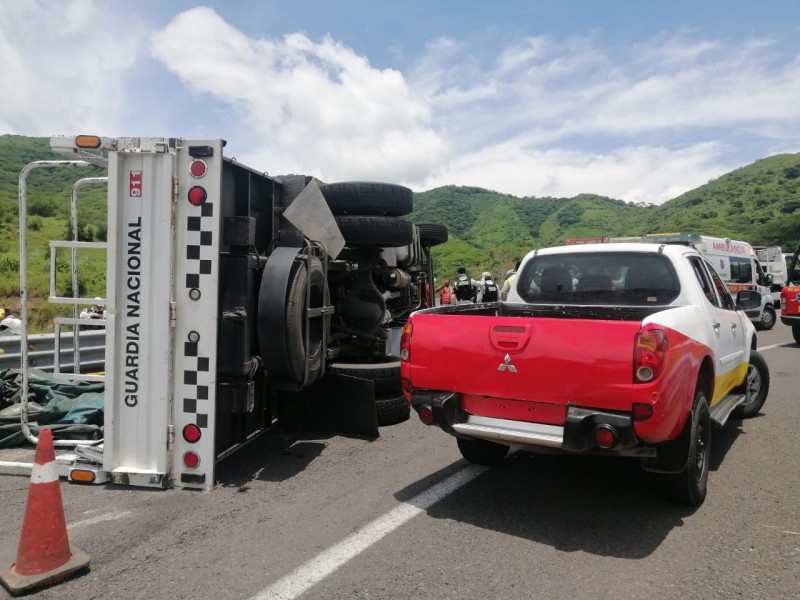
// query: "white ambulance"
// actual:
[[734, 260]]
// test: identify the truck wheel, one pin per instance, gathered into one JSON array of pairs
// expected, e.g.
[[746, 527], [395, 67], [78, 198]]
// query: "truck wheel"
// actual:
[[689, 487], [482, 452], [297, 352], [432, 234], [756, 387], [768, 319], [368, 198], [392, 410], [375, 231], [796, 334], [383, 371]]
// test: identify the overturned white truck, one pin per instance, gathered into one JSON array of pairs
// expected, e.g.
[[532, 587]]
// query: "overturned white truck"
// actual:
[[237, 301]]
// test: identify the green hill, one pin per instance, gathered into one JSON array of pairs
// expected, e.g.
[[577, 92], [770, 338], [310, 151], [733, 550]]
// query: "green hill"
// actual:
[[759, 203]]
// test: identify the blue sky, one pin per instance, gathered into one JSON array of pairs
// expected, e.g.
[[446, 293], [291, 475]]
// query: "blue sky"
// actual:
[[637, 100]]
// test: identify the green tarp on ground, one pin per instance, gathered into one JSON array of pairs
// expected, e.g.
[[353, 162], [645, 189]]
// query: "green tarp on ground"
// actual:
[[72, 409]]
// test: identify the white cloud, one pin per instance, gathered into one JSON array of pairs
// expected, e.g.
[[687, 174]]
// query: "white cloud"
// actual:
[[565, 117], [310, 106], [630, 173], [64, 64], [543, 116]]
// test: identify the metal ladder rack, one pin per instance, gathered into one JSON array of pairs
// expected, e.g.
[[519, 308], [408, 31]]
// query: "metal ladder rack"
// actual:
[[75, 301]]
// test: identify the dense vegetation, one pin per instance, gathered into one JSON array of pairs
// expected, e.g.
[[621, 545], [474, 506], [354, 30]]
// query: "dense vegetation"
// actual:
[[49, 193], [759, 203]]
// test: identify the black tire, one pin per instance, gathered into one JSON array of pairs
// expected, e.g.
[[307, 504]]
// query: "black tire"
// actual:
[[368, 198], [301, 278], [796, 333], [768, 319], [756, 387], [432, 234], [689, 487], [383, 371], [482, 452], [375, 231], [391, 410]]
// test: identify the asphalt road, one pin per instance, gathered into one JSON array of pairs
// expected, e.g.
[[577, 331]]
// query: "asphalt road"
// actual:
[[405, 517]]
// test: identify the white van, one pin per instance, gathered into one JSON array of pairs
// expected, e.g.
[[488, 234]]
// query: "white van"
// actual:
[[773, 262], [735, 262]]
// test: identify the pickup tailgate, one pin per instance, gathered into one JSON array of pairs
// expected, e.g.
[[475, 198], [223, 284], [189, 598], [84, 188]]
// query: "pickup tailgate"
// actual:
[[531, 362]]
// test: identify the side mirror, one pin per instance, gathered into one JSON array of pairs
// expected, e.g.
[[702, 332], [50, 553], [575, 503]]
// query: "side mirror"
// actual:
[[748, 300]]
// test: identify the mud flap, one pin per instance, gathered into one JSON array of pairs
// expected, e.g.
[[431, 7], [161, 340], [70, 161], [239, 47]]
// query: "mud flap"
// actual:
[[338, 404]]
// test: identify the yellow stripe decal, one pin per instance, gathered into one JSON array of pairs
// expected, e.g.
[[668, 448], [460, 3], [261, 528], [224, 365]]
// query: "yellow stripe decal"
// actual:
[[726, 382]]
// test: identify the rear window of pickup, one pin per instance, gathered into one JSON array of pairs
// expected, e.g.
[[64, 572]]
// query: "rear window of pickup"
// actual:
[[623, 278]]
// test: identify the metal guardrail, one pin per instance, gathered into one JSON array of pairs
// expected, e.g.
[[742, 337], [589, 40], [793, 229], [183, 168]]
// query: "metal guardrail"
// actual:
[[41, 352]]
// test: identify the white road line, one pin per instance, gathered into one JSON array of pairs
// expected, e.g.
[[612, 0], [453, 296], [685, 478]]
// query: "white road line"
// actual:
[[761, 348], [318, 568], [100, 519]]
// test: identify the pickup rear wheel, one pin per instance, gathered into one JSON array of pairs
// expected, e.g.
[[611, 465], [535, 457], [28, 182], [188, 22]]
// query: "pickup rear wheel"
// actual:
[[689, 487], [482, 452], [755, 388], [796, 333]]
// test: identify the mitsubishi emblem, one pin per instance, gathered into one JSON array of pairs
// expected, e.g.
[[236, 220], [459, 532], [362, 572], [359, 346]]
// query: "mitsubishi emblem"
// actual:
[[506, 365]]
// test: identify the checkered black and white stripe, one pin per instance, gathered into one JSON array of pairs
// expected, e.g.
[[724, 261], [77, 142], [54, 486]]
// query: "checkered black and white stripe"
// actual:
[[199, 247], [196, 384], [199, 257]]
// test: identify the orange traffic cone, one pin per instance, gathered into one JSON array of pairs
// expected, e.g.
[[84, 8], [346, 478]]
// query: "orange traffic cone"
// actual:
[[44, 556]]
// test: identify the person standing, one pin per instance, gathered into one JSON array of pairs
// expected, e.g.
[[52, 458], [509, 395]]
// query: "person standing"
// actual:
[[489, 292], [466, 288], [510, 274], [445, 292]]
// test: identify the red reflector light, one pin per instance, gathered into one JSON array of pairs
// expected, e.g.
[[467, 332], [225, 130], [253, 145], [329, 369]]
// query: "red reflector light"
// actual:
[[197, 195], [198, 168], [508, 329], [192, 433], [605, 436], [191, 460], [425, 414], [642, 412]]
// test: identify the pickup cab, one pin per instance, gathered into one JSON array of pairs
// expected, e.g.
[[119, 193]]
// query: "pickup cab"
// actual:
[[621, 349]]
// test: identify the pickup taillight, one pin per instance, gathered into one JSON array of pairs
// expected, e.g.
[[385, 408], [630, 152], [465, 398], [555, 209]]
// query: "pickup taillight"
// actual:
[[405, 341], [649, 354]]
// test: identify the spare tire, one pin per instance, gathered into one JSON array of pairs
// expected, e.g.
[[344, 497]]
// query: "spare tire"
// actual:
[[368, 198], [375, 231], [302, 278], [432, 234]]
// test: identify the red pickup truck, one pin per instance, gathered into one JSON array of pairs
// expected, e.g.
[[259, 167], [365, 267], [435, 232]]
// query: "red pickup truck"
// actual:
[[790, 297], [622, 349]]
